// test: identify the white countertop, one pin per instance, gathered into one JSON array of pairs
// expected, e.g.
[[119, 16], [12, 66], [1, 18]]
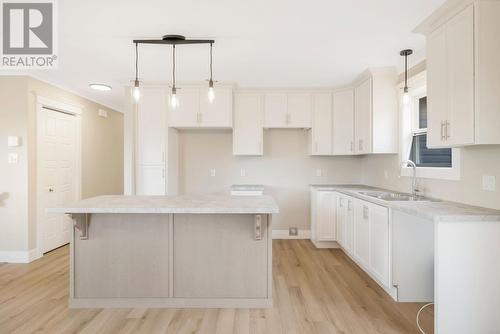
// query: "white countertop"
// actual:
[[196, 204], [438, 211]]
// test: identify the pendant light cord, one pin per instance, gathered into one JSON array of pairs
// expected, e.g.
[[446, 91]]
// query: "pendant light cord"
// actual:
[[211, 62], [406, 72], [136, 62], [173, 66]]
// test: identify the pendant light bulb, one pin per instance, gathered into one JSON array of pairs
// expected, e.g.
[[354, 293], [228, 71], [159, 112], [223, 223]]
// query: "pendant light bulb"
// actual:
[[174, 101], [136, 91], [406, 97], [211, 92]]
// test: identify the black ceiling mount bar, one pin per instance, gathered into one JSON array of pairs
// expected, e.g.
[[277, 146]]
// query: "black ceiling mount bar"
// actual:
[[174, 40]]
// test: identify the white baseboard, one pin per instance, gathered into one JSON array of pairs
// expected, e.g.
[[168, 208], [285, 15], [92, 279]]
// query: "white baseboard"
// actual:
[[20, 256], [283, 234]]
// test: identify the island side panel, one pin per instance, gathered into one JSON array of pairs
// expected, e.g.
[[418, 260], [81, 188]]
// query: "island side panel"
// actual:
[[218, 256], [126, 256]]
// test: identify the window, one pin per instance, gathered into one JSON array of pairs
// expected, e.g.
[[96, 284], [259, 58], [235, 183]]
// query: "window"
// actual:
[[419, 153], [441, 164]]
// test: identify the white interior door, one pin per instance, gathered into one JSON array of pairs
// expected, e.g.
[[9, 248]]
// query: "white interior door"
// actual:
[[57, 150]]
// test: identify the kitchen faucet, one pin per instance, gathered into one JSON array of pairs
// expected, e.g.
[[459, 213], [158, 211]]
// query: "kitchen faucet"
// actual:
[[405, 163]]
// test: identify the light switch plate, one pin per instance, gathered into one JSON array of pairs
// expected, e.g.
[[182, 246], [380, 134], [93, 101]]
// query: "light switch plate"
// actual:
[[13, 141], [13, 158], [243, 172], [319, 172], [489, 183], [386, 174], [212, 172], [103, 113]]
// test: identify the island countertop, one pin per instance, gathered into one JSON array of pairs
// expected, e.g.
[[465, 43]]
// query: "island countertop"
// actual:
[[190, 204]]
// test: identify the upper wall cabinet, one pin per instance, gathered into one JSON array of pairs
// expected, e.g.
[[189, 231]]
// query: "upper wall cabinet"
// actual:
[[343, 122], [248, 124], [321, 130], [195, 111], [287, 110], [463, 73], [376, 112]]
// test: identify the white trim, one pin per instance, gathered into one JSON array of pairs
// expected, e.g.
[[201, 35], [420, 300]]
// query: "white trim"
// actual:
[[20, 256], [283, 234], [40, 103]]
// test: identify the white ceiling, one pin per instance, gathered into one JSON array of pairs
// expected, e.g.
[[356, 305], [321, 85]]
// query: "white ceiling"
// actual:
[[258, 42]]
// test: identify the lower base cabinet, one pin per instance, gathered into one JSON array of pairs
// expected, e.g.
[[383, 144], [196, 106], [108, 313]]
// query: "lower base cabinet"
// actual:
[[360, 228]]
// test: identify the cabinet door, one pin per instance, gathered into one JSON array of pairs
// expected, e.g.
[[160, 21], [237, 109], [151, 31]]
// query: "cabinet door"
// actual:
[[151, 127], [247, 129], [151, 180], [379, 243], [219, 113], [340, 218], [460, 71], [349, 225], [186, 114], [321, 133], [275, 110], [343, 122], [299, 110], [362, 233], [326, 217], [363, 117], [437, 95]]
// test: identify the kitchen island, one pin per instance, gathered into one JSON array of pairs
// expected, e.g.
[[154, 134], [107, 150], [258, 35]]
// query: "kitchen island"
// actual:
[[171, 251]]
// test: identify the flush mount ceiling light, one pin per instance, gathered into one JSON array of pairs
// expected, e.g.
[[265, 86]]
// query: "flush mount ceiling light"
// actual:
[[101, 87], [406, 96], [174, 40]]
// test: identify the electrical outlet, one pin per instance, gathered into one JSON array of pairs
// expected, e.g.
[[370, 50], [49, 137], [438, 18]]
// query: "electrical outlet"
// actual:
[[319, 172], [293, 231], [243, 172], [386, 174], [212, 172], [489, 183]]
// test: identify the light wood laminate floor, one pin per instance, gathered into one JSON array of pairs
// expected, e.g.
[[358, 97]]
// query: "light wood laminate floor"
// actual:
[[315, 291]]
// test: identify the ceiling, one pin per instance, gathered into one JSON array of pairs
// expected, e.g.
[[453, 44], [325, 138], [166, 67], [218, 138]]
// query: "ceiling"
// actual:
[[285, 43]]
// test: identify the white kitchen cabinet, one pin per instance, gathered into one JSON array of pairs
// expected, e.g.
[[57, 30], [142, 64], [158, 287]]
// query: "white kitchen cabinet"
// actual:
[[248, 124], [275, 110], [463, 74], [376, 112], [362, 233], [323, 217], [321, 131], [195, 111], [219, 113], [363, 117], [379, 242], [345, 220], [151, 142], [299, 110], [343, 122], [287, 110]]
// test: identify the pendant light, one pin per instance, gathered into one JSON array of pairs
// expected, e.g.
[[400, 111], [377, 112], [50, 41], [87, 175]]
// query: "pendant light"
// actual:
[[174, 101], [211, 92], [173, 40], [136, 92], [406, 96]]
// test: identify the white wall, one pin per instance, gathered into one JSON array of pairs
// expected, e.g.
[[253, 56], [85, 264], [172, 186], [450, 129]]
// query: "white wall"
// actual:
[[102, 157], [285, 170]]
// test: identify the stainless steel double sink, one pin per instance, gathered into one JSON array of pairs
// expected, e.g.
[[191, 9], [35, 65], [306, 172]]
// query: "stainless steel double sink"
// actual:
[[395, 196]]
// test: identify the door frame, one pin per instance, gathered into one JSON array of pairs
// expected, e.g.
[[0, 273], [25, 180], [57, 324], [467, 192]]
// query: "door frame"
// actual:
[[75, 110]]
